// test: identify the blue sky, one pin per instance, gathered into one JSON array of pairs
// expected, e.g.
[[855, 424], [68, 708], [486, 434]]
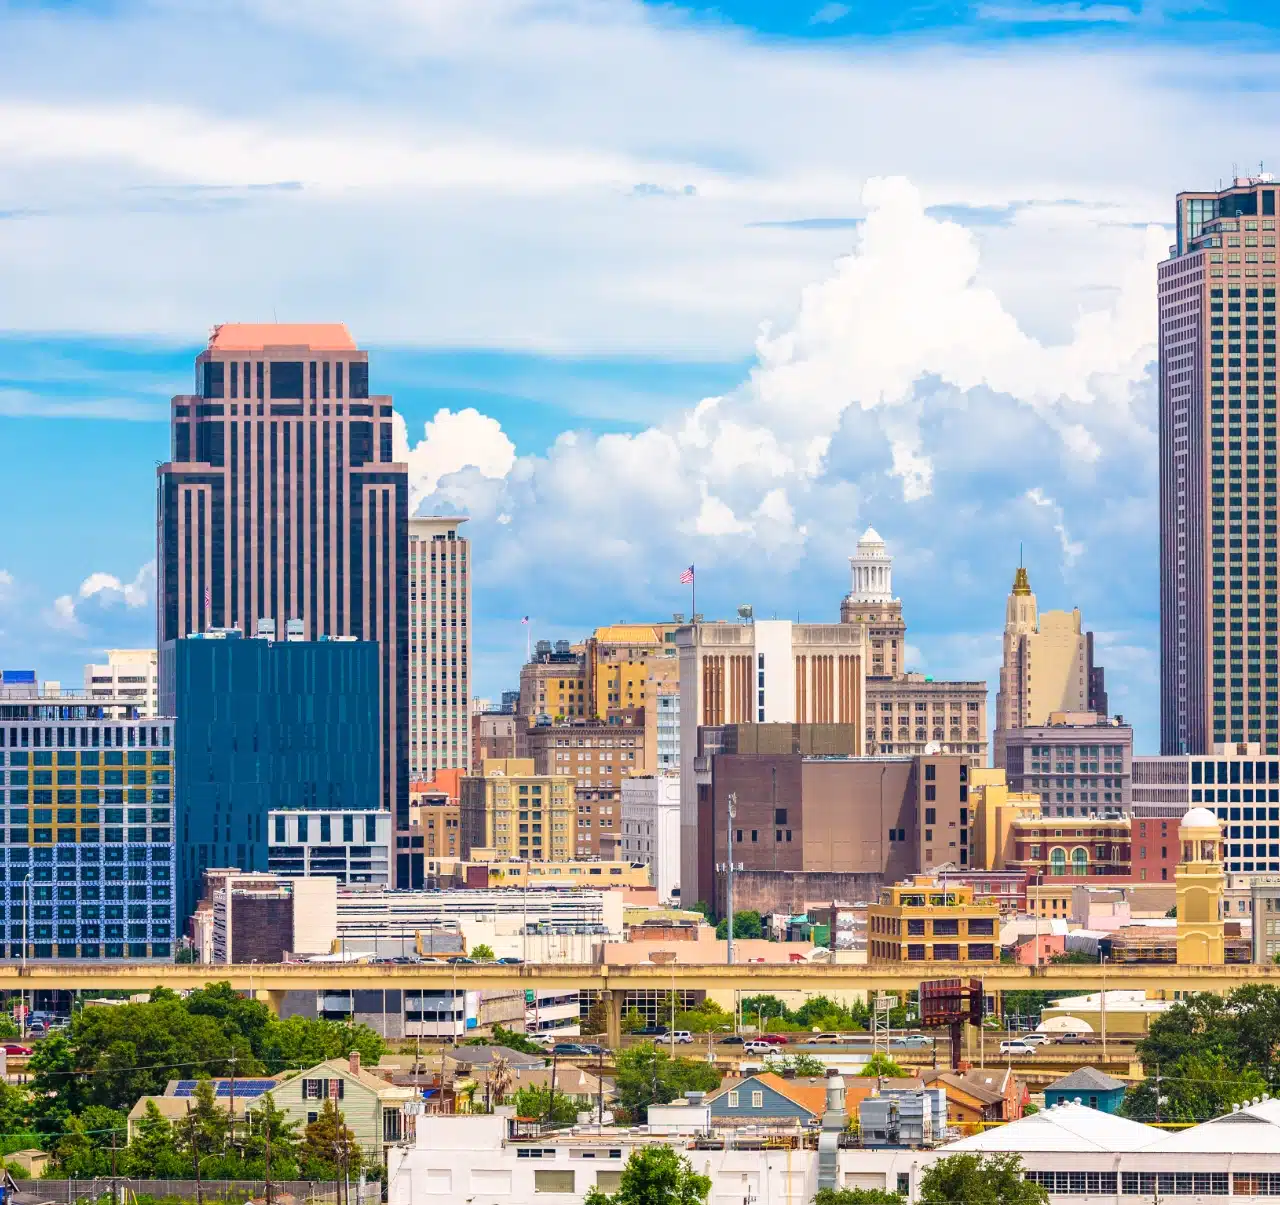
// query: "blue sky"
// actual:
[[650, 284]]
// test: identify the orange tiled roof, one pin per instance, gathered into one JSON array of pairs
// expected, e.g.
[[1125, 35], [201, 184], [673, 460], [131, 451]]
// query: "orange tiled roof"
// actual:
[[255, 336]]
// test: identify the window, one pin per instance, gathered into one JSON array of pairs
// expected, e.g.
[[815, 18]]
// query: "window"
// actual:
[[757, 1100], [733, 1100], [546, 1180]]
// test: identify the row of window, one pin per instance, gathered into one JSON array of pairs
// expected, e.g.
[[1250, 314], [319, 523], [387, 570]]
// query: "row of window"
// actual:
[[92, 950], [85, 757]]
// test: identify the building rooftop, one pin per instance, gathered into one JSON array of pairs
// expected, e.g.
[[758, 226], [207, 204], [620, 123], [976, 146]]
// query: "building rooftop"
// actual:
[[1086, 1079], [258, 336], [1254, 1129], [1066, 1127]]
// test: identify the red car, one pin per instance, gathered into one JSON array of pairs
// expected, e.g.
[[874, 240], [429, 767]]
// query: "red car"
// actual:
[[773, 1039], [15, 1049]]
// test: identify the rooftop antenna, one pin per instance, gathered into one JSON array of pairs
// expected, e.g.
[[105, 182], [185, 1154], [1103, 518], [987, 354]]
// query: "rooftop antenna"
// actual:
[[1020, 565]]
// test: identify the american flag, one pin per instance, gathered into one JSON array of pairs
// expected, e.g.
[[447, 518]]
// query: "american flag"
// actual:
[[686, 578], [208, 598], [525, 620]]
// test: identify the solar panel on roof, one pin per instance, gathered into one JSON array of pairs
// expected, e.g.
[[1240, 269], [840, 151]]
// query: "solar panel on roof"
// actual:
[[244, 1087]]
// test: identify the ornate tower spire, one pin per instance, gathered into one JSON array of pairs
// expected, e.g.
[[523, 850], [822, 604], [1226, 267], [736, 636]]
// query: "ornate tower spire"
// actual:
[[871, 570]]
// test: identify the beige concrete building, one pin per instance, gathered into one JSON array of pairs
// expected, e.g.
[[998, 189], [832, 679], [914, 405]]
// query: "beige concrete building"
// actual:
[[629, 664], [908, 713], [553, 683], [439, 645], [763, 672], [512, 809], [130, 677], [1047, 664], [598, 757]]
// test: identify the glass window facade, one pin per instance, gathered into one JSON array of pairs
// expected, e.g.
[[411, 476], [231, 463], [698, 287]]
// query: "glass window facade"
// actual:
[[75, 881], [266, 725]]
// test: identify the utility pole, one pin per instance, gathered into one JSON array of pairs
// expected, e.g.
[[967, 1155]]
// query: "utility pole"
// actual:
[[551, 1098], [266, 1117], [732, 808], [195, 1152], [599, 1089]]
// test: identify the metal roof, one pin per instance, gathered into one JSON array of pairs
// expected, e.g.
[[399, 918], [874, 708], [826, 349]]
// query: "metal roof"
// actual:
[[1065, 1127]]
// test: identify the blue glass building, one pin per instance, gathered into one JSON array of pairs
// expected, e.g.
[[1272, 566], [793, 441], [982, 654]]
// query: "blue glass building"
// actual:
[[86, 833], [264, 725]]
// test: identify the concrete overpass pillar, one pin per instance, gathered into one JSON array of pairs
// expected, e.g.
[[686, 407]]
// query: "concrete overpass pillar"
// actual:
[[613, 1000], [271, 997]]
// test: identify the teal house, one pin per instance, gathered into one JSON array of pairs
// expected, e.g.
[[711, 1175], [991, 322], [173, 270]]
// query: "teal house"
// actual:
[[1088, 1086]]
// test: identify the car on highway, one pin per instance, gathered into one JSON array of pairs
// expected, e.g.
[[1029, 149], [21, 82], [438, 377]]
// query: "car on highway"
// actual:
[[755, 1046], [594, 1050], [771, 1039], [651, 1031], [569, 1048], [1018, 1046], [510, 962], [824, 1039], [1036, 1039], [13, 1048], [912, 1041], [680, 1035], [459, 960], [732, 1039], [1077, 1039]]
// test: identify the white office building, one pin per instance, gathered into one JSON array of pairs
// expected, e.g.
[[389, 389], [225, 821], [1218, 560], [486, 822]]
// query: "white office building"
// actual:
[[1081, 1156], [130, 676], [352, 847], [651, 829]]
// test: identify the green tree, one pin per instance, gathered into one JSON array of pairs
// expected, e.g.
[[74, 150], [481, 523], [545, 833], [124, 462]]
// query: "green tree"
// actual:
[[632, 1021], [329, 1148], [597, 1019], [855, 1196], [268, 1122], [746, 924], [115, 1055], [975, 1180], [705, 1017], [805, 1064], [655, 1175], [483, 953], [57, 1089], [536, 1102], [708, 913], [648, 1075], [881, 1064], [509, 1038], [153, 1151], [1202, 1086], [76, 1153], [238, 1014], [301, 1042]]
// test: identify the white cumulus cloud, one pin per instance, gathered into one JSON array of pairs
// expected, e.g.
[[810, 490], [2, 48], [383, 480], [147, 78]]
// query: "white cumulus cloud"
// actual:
[[453, 441]]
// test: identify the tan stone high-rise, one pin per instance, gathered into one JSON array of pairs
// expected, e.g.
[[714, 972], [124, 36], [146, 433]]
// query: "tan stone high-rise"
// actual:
[[1219, 674], [1047, 665]]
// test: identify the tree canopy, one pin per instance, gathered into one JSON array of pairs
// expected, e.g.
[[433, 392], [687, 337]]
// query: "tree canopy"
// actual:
[[881, 1064], [746, 924], [855, 1196], [1207, 1053], [979, 1180], [648, 1075], [655, 1175]]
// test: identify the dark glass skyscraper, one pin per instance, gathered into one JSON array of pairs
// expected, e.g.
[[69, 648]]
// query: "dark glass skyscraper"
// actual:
[[1219, 590], [283, 503], [265, 725]]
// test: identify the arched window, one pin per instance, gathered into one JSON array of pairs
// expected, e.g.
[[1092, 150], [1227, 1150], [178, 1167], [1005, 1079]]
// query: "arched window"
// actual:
[[1058, 861], [1079, 860]]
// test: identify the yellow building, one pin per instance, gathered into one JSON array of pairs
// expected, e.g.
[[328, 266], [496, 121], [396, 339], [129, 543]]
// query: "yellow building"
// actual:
[[517, 813], [1200, 883], [508, 872], [929, 920], [996, 810], [629, 664]]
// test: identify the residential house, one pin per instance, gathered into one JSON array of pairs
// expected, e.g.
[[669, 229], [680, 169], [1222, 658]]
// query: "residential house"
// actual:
[[1087, 1086], [372, 1108], [969, 1101]]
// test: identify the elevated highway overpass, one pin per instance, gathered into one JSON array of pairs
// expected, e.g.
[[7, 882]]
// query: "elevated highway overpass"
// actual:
[[722, 983]]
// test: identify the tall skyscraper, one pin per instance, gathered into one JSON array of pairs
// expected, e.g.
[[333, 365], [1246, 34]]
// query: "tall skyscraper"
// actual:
[[439, 646], [1218, 589], [283, 506]]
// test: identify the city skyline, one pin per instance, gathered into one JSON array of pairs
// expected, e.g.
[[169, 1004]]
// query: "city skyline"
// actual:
[[553, 384]]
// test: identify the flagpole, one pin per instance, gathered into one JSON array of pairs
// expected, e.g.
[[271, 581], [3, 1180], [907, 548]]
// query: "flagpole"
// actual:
[[694, 584]]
